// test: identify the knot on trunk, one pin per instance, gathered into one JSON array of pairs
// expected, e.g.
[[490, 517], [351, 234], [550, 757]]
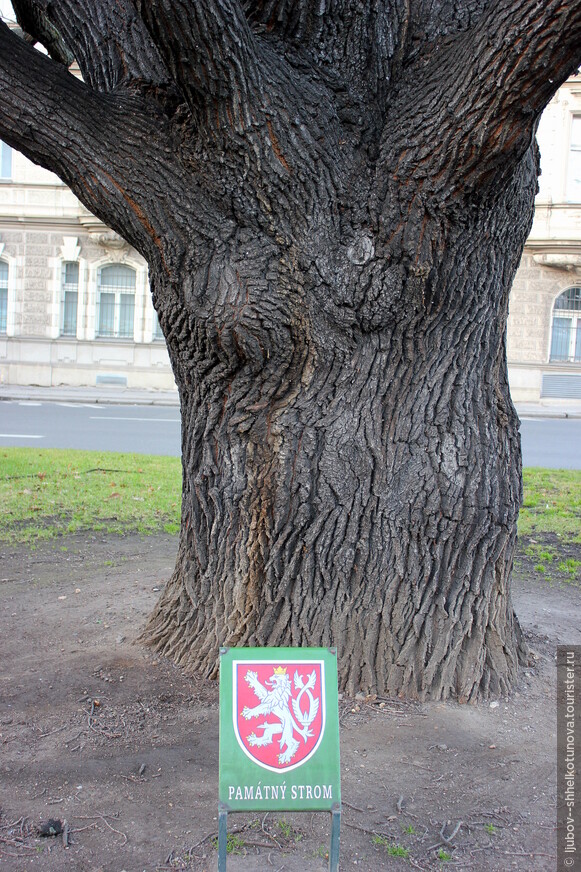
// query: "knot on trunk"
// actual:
[[361, 250]]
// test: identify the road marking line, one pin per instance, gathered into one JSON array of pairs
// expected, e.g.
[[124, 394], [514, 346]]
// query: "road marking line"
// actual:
[[151, 420], [19, 436]]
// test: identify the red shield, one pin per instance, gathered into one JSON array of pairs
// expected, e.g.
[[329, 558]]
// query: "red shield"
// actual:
[[279, 710]]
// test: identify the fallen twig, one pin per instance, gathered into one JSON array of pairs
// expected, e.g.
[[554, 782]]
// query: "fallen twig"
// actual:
[[15, 843], [354, 807], [269, 835], [417, 765], [14, 824], [368, 831], [256, 844], [197, 845], [528, 854], [51, 732], [448, 839], [82, 829], [103, 817]]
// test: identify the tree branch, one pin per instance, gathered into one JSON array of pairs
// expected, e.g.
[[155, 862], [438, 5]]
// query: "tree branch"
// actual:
[[358, 42], [98, 145], [301, 21], [209, 49], [37, 28], [108, 40], [44, 108], [472, 104]]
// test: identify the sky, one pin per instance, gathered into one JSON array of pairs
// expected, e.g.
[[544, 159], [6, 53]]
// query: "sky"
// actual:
[[6, 10]]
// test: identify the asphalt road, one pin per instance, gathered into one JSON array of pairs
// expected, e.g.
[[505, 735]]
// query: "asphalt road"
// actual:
[[142, 429], [554, 443], [550, 442]]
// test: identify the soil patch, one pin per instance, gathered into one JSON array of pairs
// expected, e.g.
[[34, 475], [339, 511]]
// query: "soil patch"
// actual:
[[99, 733]]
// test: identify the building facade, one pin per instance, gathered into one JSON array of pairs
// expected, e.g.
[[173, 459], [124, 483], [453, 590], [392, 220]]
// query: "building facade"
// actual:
[[544, 325], [75, 307]]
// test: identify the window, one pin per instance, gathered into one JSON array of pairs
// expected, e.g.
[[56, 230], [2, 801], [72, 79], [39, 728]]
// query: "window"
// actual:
[[5, 161], [157, 331], [116, 301], [566, 328], [69, 300], [3, 296], [573, 193]]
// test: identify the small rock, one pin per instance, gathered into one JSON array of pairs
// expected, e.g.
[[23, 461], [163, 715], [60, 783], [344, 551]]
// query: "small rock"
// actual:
[[51, 827], [120, 638], [494, 704]]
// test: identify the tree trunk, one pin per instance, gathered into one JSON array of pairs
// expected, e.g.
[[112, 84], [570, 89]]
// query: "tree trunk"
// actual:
[[351, 475]]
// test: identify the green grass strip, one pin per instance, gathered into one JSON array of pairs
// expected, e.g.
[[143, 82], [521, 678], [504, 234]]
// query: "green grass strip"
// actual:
[[552, 503], [46, 493]]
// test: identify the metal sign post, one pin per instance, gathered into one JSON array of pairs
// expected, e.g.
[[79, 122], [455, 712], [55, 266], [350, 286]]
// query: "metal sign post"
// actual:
[[279, 736]]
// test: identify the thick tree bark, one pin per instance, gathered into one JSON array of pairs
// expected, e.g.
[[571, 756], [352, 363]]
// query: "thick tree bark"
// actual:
[[333, 203], [351, 478]]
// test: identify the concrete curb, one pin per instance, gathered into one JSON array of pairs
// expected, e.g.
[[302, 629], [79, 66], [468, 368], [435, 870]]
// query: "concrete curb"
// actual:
[[568, 409], [97, 396]]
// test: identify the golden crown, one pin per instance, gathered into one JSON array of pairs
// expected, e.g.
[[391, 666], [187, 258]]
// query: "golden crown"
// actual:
[[280, 670]]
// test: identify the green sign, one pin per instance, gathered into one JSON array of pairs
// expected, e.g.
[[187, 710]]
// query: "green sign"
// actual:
[[279, 730]]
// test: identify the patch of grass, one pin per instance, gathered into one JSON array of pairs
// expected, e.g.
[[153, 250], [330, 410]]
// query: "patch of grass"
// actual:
[[288, 832], [233, 843], [542, 553], [443, 855], [552, 503], [552, 562], [285, 828], [392, 849], [45, 493], [570, 565], [398, 851], [490, 829]]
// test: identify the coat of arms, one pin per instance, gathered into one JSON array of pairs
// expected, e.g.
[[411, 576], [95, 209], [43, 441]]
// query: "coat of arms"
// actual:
[[279, 711]]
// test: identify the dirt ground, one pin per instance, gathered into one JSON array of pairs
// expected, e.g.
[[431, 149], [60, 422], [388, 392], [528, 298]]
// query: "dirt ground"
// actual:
[[98, 732]]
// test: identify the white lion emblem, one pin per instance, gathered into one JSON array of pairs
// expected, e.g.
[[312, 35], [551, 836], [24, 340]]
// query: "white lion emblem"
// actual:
[[276, 701]]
